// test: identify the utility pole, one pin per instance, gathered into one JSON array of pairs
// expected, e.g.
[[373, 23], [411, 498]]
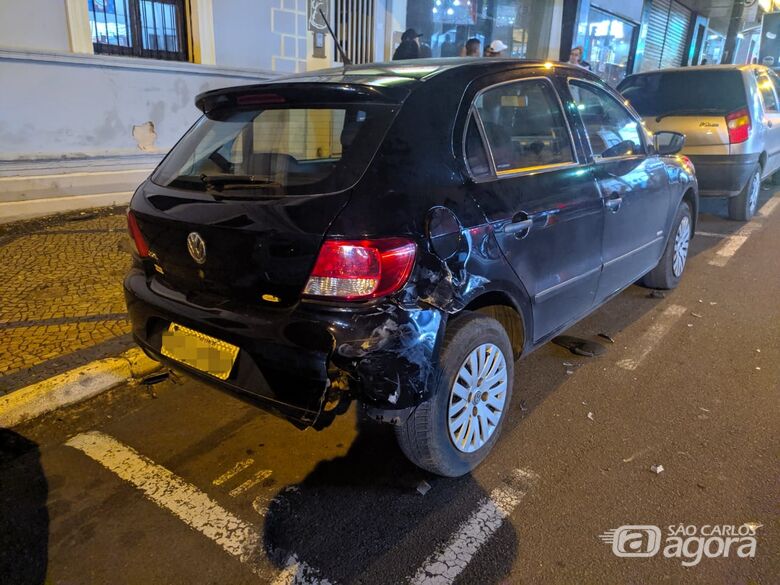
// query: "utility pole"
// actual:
[[735, 26]]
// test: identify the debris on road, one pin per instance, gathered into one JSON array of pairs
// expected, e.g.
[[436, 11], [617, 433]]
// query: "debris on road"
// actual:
[[590, 416], [607, 337], [657, 468], [569, 372], [523, 406], [697, 315], [656, 294], [579, 346], [704, 409], [423, 487]]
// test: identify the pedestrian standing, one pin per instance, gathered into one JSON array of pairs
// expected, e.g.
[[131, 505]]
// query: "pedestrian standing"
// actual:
[[495, 49], [409, 47]]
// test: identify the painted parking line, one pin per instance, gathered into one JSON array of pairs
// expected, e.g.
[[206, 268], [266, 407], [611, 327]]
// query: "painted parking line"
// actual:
[[769, 207], [234, 471], [733, 243], [652, 336], [196, 509], [261, 475], [444, 566]]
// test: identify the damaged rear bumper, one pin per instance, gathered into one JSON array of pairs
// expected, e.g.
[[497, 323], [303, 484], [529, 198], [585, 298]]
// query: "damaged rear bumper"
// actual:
[[303, 363]]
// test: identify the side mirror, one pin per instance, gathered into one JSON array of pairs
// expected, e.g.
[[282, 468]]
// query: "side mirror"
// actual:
[[667, 143]]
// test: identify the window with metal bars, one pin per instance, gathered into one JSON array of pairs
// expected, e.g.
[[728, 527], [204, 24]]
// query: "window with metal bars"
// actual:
[[139, 28], [354, 27]]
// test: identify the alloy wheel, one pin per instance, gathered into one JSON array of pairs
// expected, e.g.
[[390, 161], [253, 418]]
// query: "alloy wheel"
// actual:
[[477, 398], [681, 241]]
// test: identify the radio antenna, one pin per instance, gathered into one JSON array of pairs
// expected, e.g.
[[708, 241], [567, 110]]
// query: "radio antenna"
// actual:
[[344, 59]]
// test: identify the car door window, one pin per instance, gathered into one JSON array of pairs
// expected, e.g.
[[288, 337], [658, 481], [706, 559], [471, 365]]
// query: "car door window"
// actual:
[[766, 87], [524, 126], [476, 156], [612, 130]]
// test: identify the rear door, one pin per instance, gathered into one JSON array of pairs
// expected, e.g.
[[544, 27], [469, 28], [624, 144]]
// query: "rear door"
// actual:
[[633, 185], [767, 83], [543, 204]]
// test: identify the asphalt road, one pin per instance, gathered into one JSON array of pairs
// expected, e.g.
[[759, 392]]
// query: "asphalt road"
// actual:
[[189, 485]]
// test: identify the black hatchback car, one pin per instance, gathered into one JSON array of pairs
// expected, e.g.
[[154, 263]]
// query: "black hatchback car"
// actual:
[[399, 235]]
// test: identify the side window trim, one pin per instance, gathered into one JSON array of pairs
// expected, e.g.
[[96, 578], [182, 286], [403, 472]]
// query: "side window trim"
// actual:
[[597, 158], [767, 109], [473, 111]]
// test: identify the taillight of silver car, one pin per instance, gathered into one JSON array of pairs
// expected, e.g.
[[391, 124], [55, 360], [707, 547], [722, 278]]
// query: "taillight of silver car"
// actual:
[[739, 125], [353, 270]]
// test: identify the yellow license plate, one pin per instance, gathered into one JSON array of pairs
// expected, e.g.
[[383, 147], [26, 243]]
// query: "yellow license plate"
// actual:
[[199, 351]]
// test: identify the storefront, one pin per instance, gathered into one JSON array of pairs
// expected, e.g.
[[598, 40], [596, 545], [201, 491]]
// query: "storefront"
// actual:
[[607, 31], [609, 44], [529, 28]]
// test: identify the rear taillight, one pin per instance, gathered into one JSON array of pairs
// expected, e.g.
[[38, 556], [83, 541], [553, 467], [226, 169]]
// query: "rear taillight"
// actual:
[[354, 270], [739, 125], [138, 239]]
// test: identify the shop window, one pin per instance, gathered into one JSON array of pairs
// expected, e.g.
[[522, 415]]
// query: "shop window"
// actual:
[[524, 126], [524, 26], [612, 131], [608, 45], [139, 28]]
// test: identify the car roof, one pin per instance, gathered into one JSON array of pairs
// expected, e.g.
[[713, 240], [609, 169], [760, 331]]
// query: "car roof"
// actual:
[[693, 68], [392, 81]]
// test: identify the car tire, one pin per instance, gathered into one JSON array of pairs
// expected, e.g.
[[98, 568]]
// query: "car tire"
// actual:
[[669, 270], [743, 206], [436, 435]]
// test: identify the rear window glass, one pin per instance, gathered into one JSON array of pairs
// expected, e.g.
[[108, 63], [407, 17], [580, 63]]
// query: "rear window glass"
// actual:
[[685, 92], [277, 151]]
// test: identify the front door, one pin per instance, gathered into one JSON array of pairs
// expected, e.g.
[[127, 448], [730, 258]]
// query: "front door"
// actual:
[[543, 204], [633, 185]]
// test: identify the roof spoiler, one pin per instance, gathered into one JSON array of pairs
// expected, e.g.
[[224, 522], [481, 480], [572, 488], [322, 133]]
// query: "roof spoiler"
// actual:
[[301, 93]]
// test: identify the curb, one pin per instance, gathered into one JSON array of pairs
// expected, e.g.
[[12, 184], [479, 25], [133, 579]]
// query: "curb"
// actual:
[[73, 386]]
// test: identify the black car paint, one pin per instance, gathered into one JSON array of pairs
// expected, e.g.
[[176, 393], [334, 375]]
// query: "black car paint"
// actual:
[[306, 359]]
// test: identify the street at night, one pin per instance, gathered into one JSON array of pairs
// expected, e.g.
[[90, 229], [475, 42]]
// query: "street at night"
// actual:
[[179, 483]]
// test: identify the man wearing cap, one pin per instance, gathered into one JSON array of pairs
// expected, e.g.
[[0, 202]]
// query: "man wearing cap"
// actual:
[[409, 47], [495, 49]]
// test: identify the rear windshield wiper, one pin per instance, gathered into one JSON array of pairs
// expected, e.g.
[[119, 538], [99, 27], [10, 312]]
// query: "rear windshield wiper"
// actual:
[[223, 182], [688, 111]]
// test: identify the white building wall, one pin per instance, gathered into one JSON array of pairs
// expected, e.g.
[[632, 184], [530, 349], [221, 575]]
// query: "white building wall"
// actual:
[[34, 24]]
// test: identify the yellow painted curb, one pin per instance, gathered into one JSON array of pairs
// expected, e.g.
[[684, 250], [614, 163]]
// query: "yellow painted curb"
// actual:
[[73, 386]]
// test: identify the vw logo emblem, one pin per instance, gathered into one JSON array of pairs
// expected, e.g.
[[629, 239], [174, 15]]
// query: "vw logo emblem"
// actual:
[[197, 247]]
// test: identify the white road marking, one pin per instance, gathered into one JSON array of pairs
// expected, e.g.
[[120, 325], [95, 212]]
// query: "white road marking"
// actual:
[[652, 336], [711, 234], [299, 573], [251, 482], [769, 207], [195, 508], [234, 471], [733, 243], [446, 564]]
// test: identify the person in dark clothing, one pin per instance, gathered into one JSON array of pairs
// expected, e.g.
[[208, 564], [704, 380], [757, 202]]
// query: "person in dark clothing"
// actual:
[[425, 51], [407, 50], [448, 48], [409, 47]]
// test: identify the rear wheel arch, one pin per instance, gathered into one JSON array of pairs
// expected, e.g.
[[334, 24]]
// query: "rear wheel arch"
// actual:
[[690, 198], [499, 306]]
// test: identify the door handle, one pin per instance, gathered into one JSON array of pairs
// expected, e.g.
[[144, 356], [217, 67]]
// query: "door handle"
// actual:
[[614, 203], [520, 228]]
